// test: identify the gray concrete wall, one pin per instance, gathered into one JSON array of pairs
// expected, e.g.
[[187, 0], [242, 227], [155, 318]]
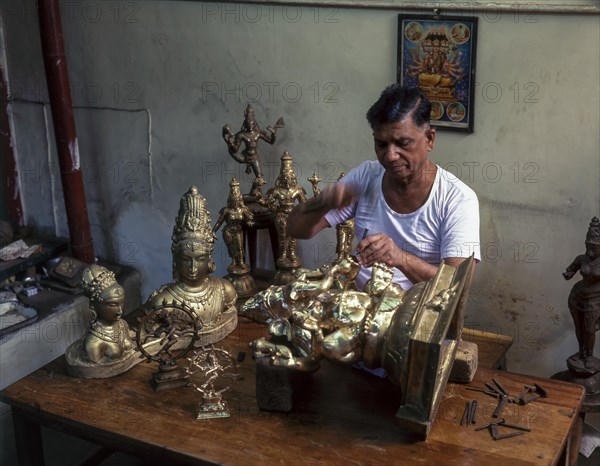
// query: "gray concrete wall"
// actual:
[[154, 81]]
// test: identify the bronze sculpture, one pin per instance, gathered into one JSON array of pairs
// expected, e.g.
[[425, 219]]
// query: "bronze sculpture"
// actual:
[[413, 335], [234, 216], [249, 135], [584, 302], [212, 299], [166, 334], [107, 349], [211, 372], [314, 181], [281, 199], [344, 234], [284, 301]]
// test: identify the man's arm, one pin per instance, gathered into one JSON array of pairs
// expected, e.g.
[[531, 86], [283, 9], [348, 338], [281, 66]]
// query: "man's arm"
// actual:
[[381, 248], [308, 219]]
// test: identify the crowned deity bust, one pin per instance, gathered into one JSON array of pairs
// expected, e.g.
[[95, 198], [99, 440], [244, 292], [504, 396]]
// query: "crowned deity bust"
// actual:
[[212, 299], [107, 349]]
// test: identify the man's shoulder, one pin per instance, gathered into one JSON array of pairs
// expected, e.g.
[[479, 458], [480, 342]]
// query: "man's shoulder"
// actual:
[[451, 185], [366, 169]]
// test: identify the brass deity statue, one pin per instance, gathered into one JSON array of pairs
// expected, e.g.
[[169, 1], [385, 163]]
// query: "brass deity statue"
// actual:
[[584, 303], [212, 371], [320, 320], [211, 299], [412, 334], [344, 234], [314, 181], [234, 216], [250, 134], [107, 349], [283, 301], [281, 199]]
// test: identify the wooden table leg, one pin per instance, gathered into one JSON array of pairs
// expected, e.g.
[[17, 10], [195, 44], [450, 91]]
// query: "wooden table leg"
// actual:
[[28, 438], [570, 453], [575, 440]]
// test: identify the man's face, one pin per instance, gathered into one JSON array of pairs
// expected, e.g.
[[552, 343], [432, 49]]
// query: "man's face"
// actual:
[[403, 148]]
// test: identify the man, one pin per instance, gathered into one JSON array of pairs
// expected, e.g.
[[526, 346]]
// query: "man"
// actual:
[[410, 213]]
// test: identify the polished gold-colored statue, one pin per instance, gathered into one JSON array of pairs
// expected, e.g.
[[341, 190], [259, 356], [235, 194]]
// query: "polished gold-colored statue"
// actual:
[[281, 199], [584, 302], [107, 349], [249, 135], [284, 301], [323, 322], [314, 181], [234, 216], [212, 299], [345, 235], [413, 335]]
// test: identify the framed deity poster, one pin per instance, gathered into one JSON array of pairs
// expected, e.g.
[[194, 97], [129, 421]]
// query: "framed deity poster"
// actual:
[[437, 54]]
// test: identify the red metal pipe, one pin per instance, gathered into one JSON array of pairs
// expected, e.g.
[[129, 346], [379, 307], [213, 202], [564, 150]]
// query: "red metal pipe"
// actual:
[[7, 164], [57, 77]]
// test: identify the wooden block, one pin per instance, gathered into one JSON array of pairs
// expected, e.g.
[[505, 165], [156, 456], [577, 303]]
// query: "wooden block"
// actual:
[[465, 363], [274, 391]]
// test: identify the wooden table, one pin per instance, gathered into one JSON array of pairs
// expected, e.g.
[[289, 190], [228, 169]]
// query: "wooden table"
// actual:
[[345, 416]]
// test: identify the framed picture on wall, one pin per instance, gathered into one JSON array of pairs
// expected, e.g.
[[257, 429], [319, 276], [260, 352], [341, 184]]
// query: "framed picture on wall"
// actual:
[[437, 54]]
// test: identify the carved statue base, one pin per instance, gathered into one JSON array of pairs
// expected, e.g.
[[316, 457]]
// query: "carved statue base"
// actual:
[[169, 376], [591, 383], [212, 407], [79, 366], [242, 281], [583, 367], [286, 271]]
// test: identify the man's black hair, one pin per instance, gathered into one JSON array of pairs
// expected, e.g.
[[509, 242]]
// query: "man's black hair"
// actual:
[[396, 103]]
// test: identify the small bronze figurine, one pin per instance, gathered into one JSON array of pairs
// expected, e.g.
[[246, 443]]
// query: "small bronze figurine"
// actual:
[[107, 349], [212, 371], [212, 299], [249, 135], [167, 334], [234, 216], [314, 181], [345, 235], [281, 200], [584, 302]]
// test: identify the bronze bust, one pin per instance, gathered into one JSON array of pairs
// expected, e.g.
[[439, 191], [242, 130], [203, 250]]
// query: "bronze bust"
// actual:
[[212, 299], [107, 349]]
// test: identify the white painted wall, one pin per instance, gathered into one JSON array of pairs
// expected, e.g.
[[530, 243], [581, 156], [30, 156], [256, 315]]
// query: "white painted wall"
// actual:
[[154, 82]]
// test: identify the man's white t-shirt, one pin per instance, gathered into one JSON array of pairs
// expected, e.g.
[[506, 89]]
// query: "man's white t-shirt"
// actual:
[[447, 225]]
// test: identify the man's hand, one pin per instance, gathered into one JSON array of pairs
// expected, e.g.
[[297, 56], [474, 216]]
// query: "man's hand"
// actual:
[[379, 247]]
